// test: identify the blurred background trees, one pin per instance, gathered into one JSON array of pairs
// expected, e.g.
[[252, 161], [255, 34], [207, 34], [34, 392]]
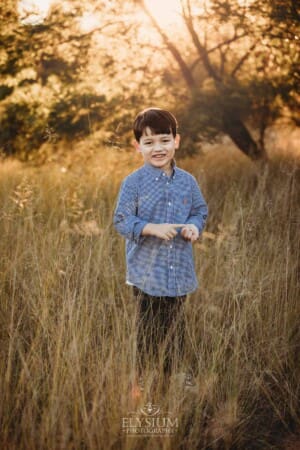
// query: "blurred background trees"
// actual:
[[240, 70], [225, 67]]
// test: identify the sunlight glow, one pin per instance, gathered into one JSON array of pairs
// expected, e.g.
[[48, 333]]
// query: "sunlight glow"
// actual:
[[88, 22], [166, 12], [33, 12]]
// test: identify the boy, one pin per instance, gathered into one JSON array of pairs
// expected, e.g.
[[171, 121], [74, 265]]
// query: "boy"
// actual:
[[161, 212]]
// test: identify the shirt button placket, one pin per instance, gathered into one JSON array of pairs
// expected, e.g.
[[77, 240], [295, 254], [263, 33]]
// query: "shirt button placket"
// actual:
[[169, 211], [172, 265], [171, 244], [171, 276]]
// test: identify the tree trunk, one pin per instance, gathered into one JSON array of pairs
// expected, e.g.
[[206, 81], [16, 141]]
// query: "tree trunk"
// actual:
[[232, 126], [239, 134]]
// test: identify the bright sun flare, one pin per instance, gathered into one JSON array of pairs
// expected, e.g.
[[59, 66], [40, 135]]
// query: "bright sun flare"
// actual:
[[166, 12]]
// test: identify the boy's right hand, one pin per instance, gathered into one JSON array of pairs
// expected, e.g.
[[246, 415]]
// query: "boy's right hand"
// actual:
[[164, 231]]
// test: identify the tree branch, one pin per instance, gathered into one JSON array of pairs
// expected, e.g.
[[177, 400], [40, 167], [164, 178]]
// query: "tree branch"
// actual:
[[175, 52], [228, 41], [217, 47], [202, 51], [243, 59]]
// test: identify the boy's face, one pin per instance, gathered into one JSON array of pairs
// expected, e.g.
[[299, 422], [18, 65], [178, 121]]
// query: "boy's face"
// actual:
[[157, 149]]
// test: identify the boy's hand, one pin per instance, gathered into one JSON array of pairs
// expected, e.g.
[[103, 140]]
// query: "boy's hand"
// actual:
[[190, 232], [164, 231]]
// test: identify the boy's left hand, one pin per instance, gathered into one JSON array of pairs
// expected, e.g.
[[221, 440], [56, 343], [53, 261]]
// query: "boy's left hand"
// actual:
[[190, 232]]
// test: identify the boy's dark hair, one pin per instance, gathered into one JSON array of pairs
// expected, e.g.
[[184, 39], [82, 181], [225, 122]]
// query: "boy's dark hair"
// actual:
[[158, 120]]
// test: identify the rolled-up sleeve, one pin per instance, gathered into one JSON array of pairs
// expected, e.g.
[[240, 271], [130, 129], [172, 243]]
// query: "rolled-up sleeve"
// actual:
[[125, 219], [199, 210]]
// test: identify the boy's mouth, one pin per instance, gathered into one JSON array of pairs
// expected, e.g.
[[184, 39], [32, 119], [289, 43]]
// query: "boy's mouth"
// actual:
[[159, 156]]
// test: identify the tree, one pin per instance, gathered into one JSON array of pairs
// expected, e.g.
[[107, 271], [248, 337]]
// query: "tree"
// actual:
[[43, 76], [237, 45], [232, 69]]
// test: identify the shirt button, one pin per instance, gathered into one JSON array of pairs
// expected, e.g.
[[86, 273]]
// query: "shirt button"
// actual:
[[171, 246], [156, 179], [171, 267], [164, 174], [169, 203]]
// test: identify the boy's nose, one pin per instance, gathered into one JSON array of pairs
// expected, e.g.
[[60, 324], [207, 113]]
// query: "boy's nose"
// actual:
[[157, 146]]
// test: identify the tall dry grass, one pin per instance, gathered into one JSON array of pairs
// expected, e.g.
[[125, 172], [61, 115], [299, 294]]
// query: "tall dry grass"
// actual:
[[67, 318]]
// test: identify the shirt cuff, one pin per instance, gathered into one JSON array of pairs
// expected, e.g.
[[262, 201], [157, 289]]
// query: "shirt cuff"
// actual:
[[196, 223], [138, 228]]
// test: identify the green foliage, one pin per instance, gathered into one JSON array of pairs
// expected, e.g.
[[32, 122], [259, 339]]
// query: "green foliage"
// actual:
[[202, 119], [233, 61], [72, 115], [50, 56], [22, 129], [245, 72], [5, 91]]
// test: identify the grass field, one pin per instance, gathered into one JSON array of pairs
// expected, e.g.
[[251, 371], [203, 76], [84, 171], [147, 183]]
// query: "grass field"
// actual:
[[67, 317]]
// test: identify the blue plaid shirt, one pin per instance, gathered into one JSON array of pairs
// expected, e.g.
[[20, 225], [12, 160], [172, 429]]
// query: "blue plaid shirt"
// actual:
[[156, 266]]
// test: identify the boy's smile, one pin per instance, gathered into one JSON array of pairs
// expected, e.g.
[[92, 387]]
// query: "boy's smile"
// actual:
[[158, 149]]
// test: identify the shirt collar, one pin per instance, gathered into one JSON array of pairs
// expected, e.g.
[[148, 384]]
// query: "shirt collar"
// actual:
[[156, 172]]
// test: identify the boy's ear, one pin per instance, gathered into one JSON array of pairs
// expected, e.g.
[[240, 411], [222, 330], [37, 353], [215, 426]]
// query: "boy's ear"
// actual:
[[177, 141], [136, 145]]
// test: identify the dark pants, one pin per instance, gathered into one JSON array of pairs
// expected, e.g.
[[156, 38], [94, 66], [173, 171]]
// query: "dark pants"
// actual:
[[160, 326]]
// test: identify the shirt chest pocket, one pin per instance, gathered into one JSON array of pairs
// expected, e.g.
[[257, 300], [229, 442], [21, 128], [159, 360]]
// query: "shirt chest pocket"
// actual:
[[183, 205]]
